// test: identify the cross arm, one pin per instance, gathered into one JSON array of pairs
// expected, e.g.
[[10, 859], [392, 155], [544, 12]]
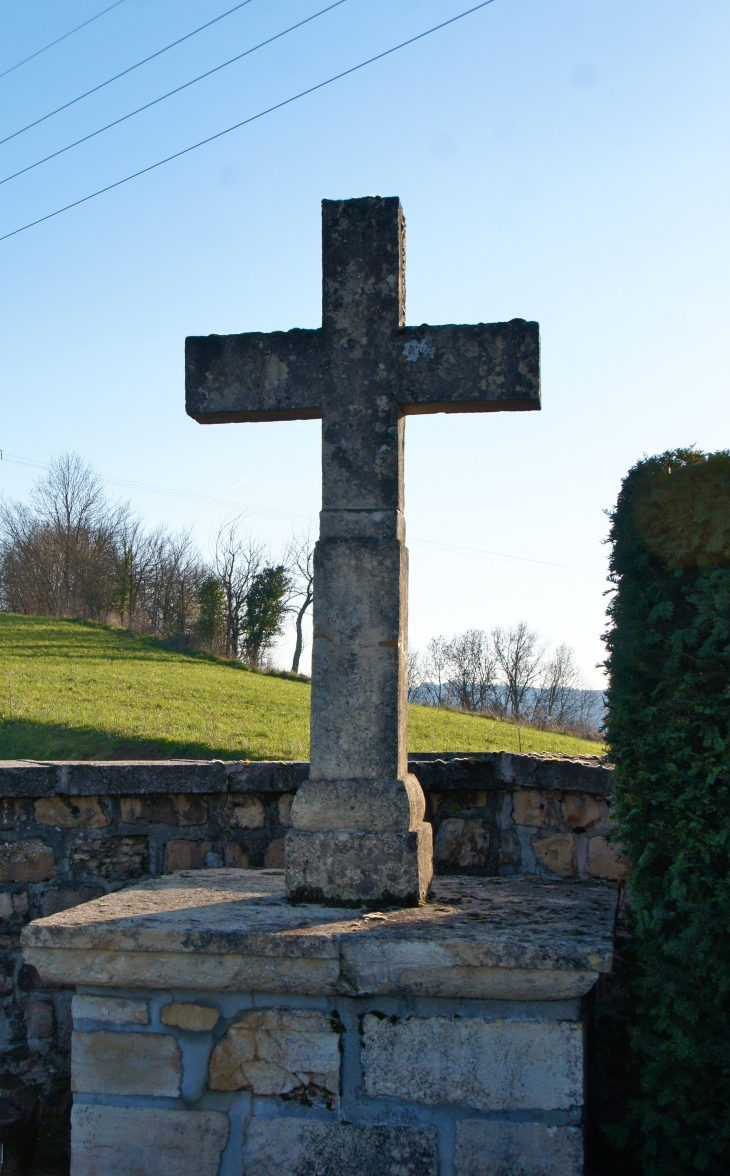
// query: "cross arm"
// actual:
[[489, 367], [254, 377]]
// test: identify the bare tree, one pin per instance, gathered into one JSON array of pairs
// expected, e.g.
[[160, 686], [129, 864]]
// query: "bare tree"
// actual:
[[417, 675], [472, 669], [519, 655], [237, 560], [299, 560], [436, 671]]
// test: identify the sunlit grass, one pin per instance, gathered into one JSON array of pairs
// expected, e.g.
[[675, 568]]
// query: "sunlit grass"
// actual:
[[79, 690]]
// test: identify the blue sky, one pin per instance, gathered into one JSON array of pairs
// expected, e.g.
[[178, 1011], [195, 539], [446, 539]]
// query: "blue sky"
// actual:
[[563, 161]]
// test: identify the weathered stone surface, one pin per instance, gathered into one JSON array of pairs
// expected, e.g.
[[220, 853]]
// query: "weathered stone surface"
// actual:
[[236, 857], [39, 1019], [193, 1017], [234, 930], [581, 811], [517, 1149], [283, 806], [605, 861], [115, 1010], [536, 809], [141, 1141], [115, 858], [558, 853], [462, 842], [186, 855], [279, 1051], [275, 854], [26, 861], [246, 812], [488, 1065], [177, 809], [6, 906], [60, 900], [71, 812], [350, 868], [11, 811], [371, 806], [291, 1147], [126, 1063]]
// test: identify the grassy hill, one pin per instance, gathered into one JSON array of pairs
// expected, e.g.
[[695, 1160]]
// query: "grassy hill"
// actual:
[[79, 690]]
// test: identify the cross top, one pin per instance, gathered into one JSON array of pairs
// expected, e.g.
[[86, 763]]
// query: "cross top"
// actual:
[[358, 833]]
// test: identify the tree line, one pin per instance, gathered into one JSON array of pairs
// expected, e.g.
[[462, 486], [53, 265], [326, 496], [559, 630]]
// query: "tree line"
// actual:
[[508, 673], [70, 552]]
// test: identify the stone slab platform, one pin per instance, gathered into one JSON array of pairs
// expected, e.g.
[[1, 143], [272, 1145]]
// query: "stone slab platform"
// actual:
[[232, 930]]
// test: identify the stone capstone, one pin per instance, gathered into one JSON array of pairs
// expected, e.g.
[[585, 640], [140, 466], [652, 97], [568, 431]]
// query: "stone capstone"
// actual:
[[194, 1018], [488, 1065], [290, 1147], [126, 1063], [279, 1052], [517, 1149], [142, 1141]]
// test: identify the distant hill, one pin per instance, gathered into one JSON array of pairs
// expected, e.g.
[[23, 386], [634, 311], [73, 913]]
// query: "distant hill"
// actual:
[[80, 690]]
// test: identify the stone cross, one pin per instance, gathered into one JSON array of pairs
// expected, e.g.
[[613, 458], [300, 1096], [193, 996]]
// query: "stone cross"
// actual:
[[359, 835]]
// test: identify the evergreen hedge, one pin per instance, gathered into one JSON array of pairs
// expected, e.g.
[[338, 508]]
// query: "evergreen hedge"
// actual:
[[668, 721]]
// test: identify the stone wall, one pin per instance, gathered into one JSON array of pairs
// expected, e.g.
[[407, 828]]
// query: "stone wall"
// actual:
[[70, 832]]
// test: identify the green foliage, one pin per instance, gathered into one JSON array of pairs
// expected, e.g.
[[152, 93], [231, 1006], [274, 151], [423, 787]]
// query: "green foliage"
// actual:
[[668, 725], [81, 690], [211, 624], [265, 611]]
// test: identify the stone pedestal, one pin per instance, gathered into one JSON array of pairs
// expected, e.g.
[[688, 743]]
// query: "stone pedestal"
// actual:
[[221, 1031]]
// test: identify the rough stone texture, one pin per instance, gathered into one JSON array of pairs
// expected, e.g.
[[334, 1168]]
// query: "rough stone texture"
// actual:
[[180, 809], [558, 853], [234, 930], [114, 858], [126, 1063], [290, 1147], [581, 811], [350, 868], [140, 1141], [54, 901], [115, 1010], [362, 372], [279, 1051], [26, 861], [517, 1149], [535, 809], [186, 855], [488, 1065], [604, 860], [247, 812], [462, 842], [82, 812], [192, 1017]]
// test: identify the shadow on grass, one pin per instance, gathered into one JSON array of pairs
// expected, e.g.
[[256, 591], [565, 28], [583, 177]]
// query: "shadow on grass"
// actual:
[[29, 739]]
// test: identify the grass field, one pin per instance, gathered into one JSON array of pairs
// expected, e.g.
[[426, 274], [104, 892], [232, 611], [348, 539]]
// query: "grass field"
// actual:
[[79, 690]]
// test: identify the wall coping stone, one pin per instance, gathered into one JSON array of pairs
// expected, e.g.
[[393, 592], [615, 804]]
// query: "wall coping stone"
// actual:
[[438, 772], [233, 930]]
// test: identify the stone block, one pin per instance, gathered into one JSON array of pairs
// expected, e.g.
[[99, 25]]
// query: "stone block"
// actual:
[[173, 809], [558, 853], [71, 812], [126, 1063], [20, 905], [245, 812], [54, 901], [186, 855], [283, 806], [292, 1147], [371, 806], [605, 861], [140, 1141], [581, 810], [6, 906], [517, 1149], [116, 1010], [275, 854], [237, 857], [115, 858], [39, 1019], [489, 1065], [26, 861], [279, 1052], [11, 812], [462, 843], [509, 849], [350, 868], [538, 809], [194, 1018]]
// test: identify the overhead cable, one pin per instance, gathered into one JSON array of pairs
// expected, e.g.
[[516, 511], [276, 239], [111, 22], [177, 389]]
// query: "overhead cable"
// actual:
[[245, 122], [170, 93], [124, 72], [58, 40]]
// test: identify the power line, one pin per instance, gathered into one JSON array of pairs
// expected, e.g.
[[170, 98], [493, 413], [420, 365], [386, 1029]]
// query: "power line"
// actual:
[[124, 72], [170, 93], [58, 40], [244, 122]]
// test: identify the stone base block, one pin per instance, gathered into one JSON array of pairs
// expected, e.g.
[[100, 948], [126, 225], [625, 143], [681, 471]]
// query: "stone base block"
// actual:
[[517, 1149], [121, 1141], [352, 868], [290, 1147]]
